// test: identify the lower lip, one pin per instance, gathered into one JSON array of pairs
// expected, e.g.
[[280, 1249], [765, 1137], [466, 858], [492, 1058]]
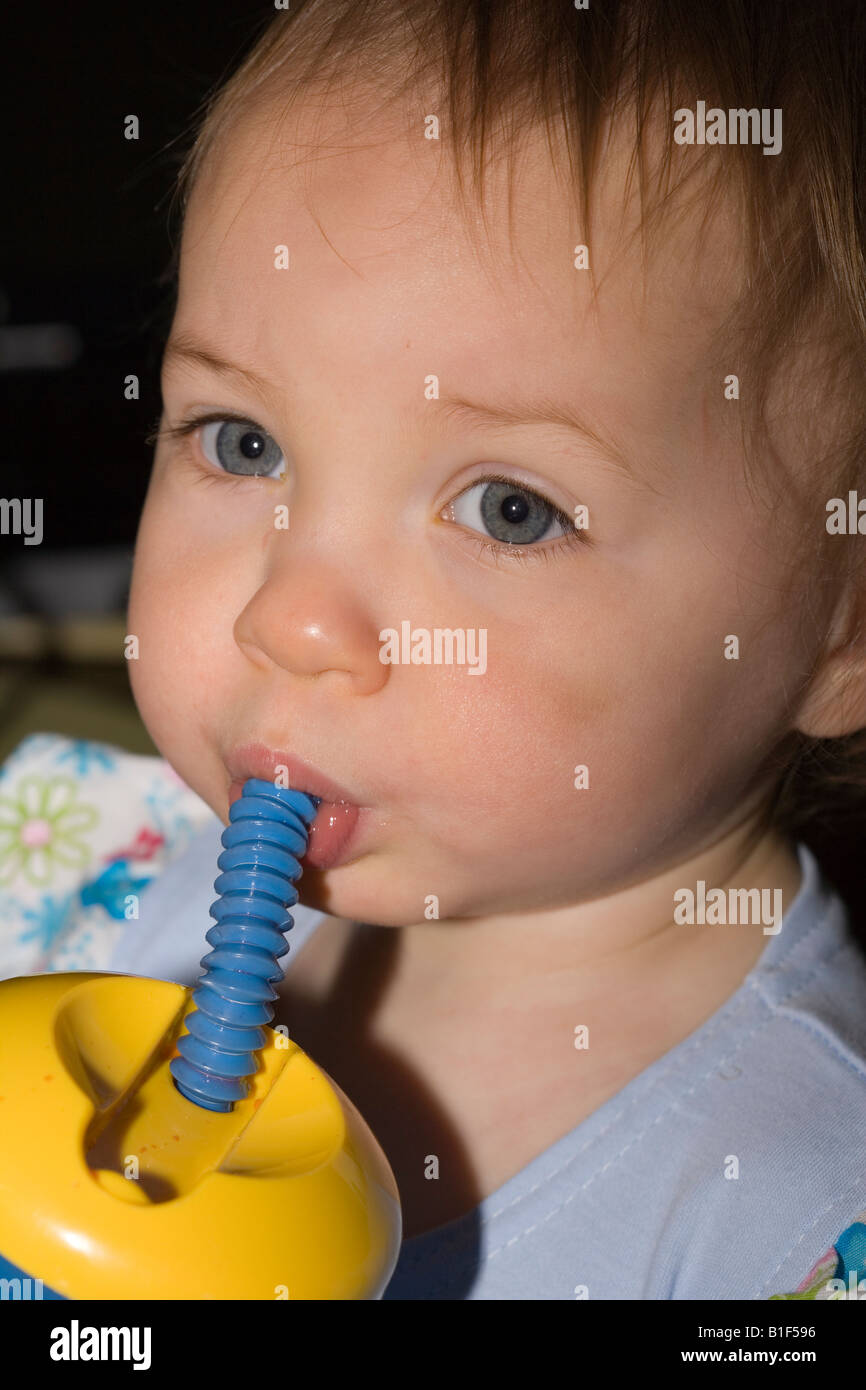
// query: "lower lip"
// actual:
[[331, 833]]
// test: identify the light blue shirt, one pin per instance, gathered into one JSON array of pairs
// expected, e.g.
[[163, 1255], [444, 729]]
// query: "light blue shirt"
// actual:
[[638, 1201]]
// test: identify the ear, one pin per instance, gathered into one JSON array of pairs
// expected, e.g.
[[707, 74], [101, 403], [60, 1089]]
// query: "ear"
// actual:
[[835, 700]]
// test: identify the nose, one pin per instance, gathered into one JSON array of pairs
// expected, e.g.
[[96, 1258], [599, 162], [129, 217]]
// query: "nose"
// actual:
[[307, 620]]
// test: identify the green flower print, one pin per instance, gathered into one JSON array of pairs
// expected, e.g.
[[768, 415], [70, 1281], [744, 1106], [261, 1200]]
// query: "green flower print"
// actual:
[[40, 830]]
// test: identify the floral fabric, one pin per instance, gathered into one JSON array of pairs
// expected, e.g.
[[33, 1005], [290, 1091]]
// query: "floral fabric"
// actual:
[[841, 1270], [84, 828]]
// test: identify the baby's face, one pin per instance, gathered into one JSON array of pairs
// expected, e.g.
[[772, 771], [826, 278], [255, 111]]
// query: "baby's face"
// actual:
[[605, 645]]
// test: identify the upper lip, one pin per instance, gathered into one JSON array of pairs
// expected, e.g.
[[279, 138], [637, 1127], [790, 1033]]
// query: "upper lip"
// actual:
[[257, 760]]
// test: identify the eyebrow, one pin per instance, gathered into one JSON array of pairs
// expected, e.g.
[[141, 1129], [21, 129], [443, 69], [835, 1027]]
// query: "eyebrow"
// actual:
[[184, 349], [540, 412], [513, 413]]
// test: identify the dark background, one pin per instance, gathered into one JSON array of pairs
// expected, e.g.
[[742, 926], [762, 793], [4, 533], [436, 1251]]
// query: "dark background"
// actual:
[[87, 238]]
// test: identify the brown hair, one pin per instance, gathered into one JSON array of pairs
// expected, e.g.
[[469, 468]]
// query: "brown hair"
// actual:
[[497, 67]]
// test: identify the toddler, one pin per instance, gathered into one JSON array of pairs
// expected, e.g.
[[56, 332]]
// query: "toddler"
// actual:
[[516, 361]]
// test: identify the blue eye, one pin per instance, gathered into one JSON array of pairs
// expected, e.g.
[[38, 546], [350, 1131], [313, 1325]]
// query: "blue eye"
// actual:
[[511, 513], [241, 447]]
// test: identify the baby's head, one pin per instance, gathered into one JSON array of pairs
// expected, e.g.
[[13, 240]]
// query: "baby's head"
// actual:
[[581, 415]]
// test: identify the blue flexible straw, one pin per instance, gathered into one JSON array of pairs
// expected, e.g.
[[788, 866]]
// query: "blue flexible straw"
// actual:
[[267, 835]]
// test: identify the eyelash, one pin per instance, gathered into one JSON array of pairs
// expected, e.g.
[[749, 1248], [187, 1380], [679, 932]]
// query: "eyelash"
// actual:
[[574, 536]]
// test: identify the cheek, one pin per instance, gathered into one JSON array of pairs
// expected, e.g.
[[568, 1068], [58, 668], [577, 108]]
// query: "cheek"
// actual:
[[152, 621], [171, 608], [588, 742], [490, 782], [671, 730], [500, 746]]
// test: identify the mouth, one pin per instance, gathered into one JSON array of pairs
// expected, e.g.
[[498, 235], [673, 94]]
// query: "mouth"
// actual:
[[334, 829]]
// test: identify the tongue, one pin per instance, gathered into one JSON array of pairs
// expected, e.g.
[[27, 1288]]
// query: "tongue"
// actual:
[[331, 828]]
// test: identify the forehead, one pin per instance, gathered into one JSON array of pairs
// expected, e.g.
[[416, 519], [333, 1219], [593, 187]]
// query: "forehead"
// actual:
[[383, 254]]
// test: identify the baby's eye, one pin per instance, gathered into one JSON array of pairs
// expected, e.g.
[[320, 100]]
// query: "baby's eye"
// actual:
[[242, 447], [511, 513]]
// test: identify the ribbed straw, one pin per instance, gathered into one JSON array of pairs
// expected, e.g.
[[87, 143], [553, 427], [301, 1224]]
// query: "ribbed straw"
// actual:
[[266, 837]]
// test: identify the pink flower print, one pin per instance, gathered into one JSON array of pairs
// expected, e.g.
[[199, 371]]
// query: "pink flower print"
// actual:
[[41, 827]]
